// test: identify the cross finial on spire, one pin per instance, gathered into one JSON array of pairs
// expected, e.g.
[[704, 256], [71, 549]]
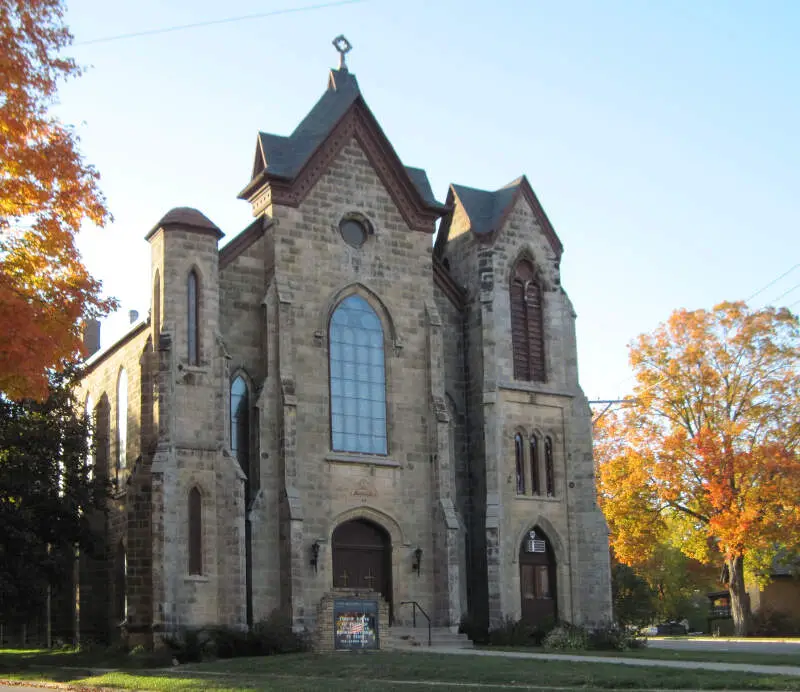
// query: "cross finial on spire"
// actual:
[[341, 44]]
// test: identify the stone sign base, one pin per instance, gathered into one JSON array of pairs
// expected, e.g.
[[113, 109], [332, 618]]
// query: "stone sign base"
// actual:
[[346, 620]]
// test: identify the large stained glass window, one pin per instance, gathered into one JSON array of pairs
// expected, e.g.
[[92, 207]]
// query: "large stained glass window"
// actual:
[[357, 378]]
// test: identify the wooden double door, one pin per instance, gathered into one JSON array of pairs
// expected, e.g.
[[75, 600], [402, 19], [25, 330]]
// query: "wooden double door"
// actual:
[[362, 558], [537, 580]]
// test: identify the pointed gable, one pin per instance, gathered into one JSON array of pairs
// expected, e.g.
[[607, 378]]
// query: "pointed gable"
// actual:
[[487, 211], [288, 167]]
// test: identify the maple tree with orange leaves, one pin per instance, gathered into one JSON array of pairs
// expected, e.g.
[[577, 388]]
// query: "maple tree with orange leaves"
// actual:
[[47, 192], [707, 453]]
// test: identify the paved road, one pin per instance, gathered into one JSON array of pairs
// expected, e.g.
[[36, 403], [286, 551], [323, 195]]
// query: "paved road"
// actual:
[[753, 646], [699, 665]]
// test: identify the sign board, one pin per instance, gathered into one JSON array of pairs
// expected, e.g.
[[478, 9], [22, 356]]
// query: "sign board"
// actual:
[[355, 624]]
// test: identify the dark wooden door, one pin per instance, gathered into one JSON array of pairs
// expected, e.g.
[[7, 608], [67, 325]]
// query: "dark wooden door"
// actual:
[[361, 558], [537, 581]]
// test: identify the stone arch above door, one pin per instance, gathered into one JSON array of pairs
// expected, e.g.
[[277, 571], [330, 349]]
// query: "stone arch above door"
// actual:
[[382, 519], [560, 554]]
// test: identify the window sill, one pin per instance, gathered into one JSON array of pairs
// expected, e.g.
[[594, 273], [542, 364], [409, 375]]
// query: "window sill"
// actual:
[[538, 498], [200, 578], [534, 387], [364, 459]]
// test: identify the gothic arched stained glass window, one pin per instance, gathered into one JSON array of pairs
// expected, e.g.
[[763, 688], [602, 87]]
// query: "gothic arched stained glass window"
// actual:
[[549, 467], [193, 318], [519, 461], [195, 532], [534, 450], [357, 379]]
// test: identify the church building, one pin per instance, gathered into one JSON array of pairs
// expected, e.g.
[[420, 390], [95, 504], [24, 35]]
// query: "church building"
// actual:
[[331, 400]]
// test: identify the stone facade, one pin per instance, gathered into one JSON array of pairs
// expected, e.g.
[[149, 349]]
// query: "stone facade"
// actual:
[[274, 485]]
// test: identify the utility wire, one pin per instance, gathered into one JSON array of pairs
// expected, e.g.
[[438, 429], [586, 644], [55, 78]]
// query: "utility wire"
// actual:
[[772, 283], [785, 293], [212, 22]]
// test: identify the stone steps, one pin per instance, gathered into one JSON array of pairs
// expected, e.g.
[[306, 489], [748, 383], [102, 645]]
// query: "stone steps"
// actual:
[[408, 638]]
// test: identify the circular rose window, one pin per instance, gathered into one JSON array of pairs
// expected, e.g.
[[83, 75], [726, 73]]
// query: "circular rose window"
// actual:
[[353, 232]]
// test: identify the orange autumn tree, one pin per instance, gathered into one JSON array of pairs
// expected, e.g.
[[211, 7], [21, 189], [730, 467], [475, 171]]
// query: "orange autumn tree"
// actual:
[[708, 449], [46, 192]]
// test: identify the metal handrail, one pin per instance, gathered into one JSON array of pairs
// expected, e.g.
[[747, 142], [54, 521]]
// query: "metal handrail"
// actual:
[[416, 605]]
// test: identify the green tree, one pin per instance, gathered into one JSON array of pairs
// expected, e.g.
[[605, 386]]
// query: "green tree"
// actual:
[[46, 496], [633, 600]]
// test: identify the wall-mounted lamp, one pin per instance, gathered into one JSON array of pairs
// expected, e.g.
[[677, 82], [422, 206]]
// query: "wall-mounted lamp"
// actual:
[[314, 554], [416, 562]]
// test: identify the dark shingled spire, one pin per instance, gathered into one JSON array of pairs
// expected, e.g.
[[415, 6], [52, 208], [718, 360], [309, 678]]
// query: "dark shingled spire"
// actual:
[[284, 157], [485, 209]]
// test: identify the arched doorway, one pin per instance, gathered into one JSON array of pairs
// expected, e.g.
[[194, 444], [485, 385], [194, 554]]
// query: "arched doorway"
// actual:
[[362, 557], [537, 579]]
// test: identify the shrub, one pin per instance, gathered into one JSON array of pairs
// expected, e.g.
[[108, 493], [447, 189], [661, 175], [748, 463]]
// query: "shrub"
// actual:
[[186, 648], [615, 638], [228, 642], [271, 636], [275, 636], [518, 633], [773, 623], [567, 637]]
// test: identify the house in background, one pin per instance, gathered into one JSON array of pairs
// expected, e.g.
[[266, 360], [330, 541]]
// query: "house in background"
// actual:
[[781, 594]]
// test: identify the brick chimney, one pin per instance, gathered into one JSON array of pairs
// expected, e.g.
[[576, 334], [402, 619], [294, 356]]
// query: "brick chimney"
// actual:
[[91, 337]]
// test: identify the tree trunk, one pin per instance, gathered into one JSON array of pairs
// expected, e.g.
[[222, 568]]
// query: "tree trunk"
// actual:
[[740, 601]]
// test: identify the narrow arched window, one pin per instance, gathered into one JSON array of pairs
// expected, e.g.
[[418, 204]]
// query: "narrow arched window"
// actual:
[[193, 318], [122, 419], [549, 470], [121, 583], [519, 458], [240, 423], [527, 323], [195, 532], [156, 310], [536, 485], [357, 379], [90, 459]]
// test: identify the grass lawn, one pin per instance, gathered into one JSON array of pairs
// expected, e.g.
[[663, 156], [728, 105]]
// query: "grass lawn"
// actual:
[[787, 659], [392, 671]]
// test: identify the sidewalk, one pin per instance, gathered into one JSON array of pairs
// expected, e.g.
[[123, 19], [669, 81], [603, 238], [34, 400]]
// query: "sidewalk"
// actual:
[[701, 665]]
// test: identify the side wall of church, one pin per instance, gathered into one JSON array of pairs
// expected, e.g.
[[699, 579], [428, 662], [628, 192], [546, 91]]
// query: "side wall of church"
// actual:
[[103, 593], [314, 269]]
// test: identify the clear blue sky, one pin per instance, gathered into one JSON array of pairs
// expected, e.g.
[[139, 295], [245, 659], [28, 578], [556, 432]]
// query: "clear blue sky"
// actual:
[[661, 137]]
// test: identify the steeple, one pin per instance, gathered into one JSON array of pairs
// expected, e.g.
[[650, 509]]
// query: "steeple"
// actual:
[[341, 44]]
